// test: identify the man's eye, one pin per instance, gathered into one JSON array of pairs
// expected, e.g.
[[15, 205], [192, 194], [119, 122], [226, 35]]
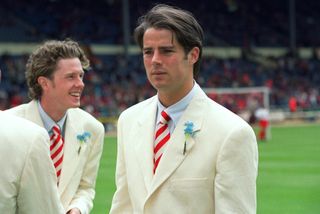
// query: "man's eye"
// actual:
[[167, 51], [147, 52]]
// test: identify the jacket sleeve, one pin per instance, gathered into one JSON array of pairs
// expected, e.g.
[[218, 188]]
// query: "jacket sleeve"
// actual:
[[38, 192], [237, 166]]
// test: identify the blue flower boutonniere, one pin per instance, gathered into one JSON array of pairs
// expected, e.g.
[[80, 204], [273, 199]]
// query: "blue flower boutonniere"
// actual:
[[188, 132], [83, 138]]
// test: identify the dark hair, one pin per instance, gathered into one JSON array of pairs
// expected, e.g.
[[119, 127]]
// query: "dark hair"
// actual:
[[182, 23], [43, 62]]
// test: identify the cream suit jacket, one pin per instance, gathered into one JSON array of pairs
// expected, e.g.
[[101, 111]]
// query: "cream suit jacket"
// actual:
[[79, 171], [27, 178], [217, 174]]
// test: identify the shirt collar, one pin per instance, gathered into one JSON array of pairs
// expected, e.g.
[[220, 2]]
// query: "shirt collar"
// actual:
[[47, 121], [175, 111]]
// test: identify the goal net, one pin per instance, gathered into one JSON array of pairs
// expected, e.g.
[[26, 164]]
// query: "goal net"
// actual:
[[242, 101]]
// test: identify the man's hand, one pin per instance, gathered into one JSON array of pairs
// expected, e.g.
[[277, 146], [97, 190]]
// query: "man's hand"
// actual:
[[74, 211]]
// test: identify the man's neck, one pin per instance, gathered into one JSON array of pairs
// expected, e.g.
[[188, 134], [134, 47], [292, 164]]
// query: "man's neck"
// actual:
[[51, 111]]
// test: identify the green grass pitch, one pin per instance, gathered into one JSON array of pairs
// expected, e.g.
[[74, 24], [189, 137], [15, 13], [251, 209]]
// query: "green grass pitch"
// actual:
[[288, 180]]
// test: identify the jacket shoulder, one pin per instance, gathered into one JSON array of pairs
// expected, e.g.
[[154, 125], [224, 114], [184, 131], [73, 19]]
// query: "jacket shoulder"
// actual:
[[17, 110], [78, 114], [20, 126], [137, 108], [225, 115]]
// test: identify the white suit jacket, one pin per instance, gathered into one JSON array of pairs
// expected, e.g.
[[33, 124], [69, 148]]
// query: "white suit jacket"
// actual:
[[79, 171], [27, 178], [217, 173]]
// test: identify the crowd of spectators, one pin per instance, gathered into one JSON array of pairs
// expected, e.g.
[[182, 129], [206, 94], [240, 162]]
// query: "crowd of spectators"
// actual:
[[239, 23], [114, 83]]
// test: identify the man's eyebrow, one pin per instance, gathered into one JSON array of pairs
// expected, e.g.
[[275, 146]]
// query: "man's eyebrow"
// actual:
[[74, 72], [161, 47], [167, 47]]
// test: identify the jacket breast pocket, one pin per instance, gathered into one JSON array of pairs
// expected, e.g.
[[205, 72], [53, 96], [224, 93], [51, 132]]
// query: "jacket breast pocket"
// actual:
[[194, 195]]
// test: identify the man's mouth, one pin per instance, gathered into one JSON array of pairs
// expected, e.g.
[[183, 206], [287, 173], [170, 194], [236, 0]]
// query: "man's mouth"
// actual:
[[75, 94]]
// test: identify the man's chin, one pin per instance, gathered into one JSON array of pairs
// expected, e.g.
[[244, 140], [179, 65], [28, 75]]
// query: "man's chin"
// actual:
[[159, 86], [75, 105]]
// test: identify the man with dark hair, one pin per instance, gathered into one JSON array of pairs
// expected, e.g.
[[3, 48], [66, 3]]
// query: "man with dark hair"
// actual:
[[55, 78], [179, 151]]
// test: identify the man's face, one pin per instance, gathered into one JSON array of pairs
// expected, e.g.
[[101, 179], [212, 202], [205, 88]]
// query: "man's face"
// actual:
[[64, 90], [169, 69]]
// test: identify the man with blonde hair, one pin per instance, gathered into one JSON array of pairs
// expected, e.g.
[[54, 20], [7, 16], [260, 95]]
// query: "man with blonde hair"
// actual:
[[54, 75]]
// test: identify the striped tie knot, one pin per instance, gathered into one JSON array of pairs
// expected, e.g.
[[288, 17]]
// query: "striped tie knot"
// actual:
[[55, 131], [165, 118], [162, 136], [56, 149]]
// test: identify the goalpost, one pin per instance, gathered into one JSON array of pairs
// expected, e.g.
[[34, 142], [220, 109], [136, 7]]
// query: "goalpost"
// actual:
[[250, 103], [259, 94], [243, 101]]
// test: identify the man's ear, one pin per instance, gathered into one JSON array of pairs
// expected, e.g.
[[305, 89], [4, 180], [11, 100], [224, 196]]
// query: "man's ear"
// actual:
[[43, 82], [193, 55]]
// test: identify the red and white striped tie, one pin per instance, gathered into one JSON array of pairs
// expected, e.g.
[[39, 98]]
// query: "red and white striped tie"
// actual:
[[161, 138], [56, 149]]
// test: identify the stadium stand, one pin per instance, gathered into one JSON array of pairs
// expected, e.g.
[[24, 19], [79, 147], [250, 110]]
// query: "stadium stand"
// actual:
[[226, 22], [115, 82]]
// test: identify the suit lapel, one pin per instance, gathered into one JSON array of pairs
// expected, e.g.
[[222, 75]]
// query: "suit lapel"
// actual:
[[71, 157], [174, 153], [143, 139]]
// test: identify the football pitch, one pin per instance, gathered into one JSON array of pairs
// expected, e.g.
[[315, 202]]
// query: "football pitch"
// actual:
[[288, 180]]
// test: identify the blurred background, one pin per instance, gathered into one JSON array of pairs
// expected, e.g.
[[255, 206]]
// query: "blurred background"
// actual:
[[257, 54], [266, 43]]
